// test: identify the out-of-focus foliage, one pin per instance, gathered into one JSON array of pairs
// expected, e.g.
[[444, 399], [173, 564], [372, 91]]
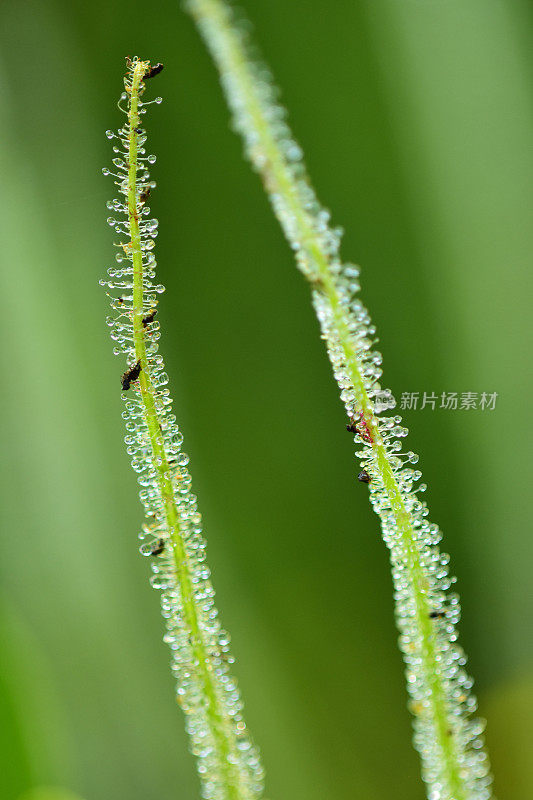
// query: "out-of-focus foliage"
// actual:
[[416, 119], [49, 793]]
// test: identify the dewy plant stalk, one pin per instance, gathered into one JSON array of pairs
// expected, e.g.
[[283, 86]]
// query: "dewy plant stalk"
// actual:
[[447, 736], [227, 760]]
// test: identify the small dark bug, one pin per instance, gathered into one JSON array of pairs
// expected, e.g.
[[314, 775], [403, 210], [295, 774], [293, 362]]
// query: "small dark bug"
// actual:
[[143, 197], [138, 130], [157, 547], [364, 477], [360, 427], [130, 375], [436, 614], [149, 318], [153, 71]]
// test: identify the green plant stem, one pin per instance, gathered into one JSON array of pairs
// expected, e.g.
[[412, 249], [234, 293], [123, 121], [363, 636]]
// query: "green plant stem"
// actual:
[[221, 733], [245, 93]]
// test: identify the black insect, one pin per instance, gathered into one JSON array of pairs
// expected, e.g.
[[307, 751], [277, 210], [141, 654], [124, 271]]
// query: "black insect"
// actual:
[[153, 71], [360, 427], [138, 130], [364, 477], [157, 547], [149, 318], [130, 375], [143, 197], [436, 614]]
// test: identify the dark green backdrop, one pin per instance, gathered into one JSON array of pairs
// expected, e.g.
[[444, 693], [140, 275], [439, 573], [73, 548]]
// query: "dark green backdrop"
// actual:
[[416, 118]]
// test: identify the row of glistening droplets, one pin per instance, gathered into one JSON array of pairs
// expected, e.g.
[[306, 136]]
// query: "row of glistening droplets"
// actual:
[[464, 730], [242, 758]]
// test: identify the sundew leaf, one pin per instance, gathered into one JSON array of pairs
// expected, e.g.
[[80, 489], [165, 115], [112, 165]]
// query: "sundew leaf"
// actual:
[[447, 736], [227, 760]]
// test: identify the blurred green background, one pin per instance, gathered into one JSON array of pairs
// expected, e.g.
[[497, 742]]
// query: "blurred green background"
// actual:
[[416, 118]]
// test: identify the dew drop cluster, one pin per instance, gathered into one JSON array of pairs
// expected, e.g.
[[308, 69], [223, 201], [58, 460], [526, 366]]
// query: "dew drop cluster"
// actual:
[[172, 536], [447, 735]]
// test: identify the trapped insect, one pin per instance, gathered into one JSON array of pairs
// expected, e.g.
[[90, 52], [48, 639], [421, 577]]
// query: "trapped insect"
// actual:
[[360, 427], [145, 194], [153, 71], [157, 547], [130, 375], [149, 318]]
